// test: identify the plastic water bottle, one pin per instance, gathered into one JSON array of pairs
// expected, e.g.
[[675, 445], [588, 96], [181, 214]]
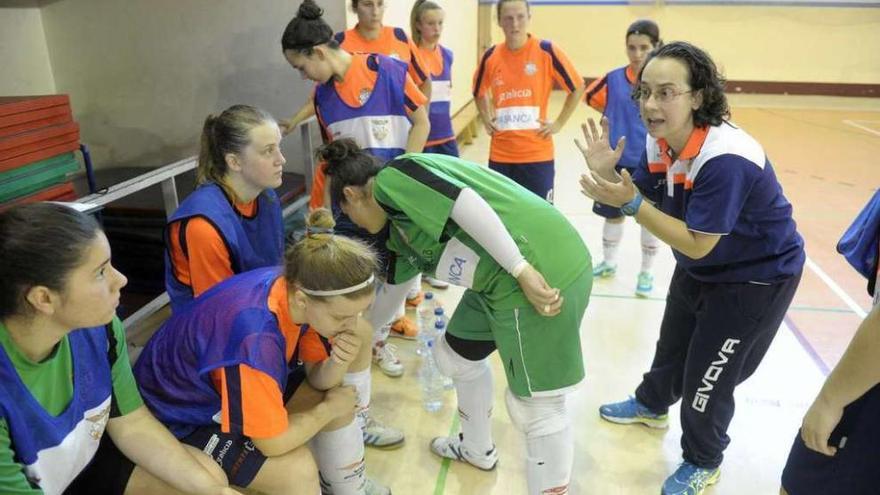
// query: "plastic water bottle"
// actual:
[[439, 315], [439, 330], [425, 322], [431, 380]]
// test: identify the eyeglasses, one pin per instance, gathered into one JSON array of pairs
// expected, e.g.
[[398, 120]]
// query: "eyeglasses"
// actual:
[[664, 95]]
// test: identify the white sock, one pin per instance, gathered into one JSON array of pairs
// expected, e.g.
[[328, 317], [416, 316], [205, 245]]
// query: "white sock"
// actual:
[[415, 287], [612, 233], [475, 399], [388, 304], [340, 457], [650, 245], [549, 461], [362, 384]]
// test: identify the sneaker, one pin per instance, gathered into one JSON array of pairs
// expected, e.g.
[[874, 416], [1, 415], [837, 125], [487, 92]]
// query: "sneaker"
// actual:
[[450, 448], [370, 488], [382, 436], [385, 356], [437, 284], [690, 479], [632, 411], [404, 328], [413, 300], [645, 284], [604, 270]]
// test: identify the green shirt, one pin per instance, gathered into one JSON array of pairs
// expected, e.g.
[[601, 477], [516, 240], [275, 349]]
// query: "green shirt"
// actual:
[[51, 383], [418, 191]]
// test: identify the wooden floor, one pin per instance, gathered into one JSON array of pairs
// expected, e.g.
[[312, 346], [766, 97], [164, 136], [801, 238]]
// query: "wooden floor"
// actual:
[[824, 151]]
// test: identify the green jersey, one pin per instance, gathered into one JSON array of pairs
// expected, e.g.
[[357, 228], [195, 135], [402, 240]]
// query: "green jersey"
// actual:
[[418, 191], [51, 384]]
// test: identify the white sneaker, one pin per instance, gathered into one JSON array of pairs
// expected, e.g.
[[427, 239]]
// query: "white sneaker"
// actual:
[[385, 356], [435, 283], [382, 436], [451, 448]]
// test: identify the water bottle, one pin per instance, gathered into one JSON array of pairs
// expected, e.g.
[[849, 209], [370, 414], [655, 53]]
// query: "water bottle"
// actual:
[[439, 330], [425, 322], [430, 380], [439, 315]]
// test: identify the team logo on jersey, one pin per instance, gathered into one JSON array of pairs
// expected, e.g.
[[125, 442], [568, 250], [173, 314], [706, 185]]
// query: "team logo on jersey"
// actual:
[[498, 81], [364, 95], [531, 69], [97, 422], [380, 127]]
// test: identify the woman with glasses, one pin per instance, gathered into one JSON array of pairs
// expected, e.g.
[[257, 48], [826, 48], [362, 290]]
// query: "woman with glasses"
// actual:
[[707, 189], [612, 95]]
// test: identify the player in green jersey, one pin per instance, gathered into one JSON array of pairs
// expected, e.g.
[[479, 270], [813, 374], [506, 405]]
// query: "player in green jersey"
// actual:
[[528, 279]]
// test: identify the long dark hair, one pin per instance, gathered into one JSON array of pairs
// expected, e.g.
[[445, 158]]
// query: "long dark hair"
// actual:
[[702, 76], [348, 165], [40, 244]]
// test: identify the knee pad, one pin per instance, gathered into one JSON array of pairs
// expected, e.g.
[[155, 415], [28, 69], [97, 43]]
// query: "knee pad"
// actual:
[[456, 367], [537, 416]]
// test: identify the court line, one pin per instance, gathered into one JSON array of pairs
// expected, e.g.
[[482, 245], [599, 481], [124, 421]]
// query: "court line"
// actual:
[[860, 126], [440, 485], [836, 288], [805, 344]]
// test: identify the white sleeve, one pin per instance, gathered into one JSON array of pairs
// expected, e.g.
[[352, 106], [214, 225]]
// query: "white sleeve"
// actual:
[[474, 215]]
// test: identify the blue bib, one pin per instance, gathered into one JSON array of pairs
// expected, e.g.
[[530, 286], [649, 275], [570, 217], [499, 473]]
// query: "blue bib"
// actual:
[[252, 242]]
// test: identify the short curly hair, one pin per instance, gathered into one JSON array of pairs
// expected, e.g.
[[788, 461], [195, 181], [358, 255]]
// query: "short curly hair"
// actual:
[[703, 76]]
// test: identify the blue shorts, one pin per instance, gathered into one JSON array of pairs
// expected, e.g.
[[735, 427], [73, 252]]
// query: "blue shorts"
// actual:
[[536, 177], [235, 453], [854, 469], [606, 211], [448, 148]]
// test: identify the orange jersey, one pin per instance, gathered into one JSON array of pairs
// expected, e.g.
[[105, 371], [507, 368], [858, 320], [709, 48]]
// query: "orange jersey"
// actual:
[[392, 42], [596, 94], [199, 254], [354, 89], [519, 84], [254, 396]]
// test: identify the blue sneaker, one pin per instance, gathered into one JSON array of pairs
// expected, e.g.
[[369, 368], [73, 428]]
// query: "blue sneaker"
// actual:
[[604, 270], [632, 411], [645, 284], [690, 479]]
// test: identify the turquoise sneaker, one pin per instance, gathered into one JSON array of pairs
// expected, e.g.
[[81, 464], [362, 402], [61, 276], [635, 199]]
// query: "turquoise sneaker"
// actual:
[[690, 479], [632, 411], [645, 284], [604, 270]]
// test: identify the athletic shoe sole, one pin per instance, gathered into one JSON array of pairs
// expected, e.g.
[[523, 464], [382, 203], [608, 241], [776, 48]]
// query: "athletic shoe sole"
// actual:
[[651, 423]]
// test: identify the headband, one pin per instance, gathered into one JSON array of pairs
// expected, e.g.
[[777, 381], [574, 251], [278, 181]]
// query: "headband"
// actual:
[[339, 292]]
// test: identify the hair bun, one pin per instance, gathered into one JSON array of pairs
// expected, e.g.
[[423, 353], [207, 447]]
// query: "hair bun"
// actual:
[[310, 11], [337, 151], [320, 221]]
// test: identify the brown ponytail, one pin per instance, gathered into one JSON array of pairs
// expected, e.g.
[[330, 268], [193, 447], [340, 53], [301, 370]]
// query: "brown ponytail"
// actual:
[[325, 261], [226, 133]]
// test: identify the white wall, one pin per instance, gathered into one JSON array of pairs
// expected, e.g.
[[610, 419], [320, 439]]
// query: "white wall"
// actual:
[[143, 74], [24, 57]]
